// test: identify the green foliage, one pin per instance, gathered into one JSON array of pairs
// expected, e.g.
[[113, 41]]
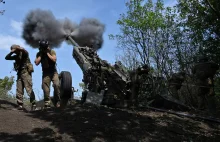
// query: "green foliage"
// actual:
[[164, 38], [7, 83], [154, 35], [82, 85], [5, 86], [202, 21]]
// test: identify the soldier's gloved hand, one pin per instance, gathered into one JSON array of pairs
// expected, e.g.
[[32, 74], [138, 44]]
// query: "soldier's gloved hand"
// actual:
[[48, 50]]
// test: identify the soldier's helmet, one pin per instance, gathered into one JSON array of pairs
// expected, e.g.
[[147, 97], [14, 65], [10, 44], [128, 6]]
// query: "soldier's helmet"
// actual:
[[43, 43]]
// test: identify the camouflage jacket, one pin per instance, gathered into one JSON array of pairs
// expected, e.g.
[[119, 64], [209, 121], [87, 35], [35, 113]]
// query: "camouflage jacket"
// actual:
[[21, 60]]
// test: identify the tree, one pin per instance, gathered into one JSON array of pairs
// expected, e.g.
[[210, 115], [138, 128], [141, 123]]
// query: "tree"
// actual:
[[154, 35], [5, 86], [2, 11], [202, 21], [145, 38], [149, 35], [157, 36], [129, 59], [201, 18], [82, 86]]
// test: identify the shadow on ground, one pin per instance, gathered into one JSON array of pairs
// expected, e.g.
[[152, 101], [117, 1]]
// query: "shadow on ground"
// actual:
[[36, 135], [99, 124]]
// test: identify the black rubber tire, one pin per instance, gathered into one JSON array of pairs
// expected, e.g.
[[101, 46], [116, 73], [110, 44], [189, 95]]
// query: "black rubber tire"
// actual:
[[65, 84]]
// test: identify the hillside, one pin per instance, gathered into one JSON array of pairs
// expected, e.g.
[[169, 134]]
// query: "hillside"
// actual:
[[100, 124]]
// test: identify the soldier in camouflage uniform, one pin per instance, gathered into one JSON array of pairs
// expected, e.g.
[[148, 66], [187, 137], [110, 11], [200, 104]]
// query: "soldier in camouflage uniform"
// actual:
[[24, 70], [175, 83], [204, 71], [47, 58]]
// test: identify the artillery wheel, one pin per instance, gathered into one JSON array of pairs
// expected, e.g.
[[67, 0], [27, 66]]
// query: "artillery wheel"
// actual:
[[65, 87]]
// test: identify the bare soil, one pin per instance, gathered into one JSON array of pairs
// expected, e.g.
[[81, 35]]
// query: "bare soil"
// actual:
[[88, 123]]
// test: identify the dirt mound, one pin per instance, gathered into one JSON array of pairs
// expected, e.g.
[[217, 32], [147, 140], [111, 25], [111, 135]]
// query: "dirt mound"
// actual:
[[100, 124]]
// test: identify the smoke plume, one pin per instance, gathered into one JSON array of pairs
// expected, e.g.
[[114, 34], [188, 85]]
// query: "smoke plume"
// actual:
[[41, 24], [89, 33]]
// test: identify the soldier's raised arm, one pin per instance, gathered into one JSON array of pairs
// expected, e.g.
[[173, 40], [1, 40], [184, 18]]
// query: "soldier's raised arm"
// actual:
[[52, 56], [9, 55], [38, 59]]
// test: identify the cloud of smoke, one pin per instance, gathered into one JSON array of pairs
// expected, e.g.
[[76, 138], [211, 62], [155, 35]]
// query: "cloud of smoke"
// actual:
[[89, 33], [41, 24]]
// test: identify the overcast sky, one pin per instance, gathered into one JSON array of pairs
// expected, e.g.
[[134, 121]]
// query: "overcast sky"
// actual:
[[11, 28]]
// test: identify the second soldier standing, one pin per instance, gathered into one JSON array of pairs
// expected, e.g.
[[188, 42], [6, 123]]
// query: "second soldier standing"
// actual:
[[47, 58]]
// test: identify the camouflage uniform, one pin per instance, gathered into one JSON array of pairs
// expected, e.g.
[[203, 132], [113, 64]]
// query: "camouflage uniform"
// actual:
[[204, 80], [175, 83], [24, 77], [49, 74]]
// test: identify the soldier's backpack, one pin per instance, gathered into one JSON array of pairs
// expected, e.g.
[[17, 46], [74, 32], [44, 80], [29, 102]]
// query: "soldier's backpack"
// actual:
[[29, 66], [25, 64]]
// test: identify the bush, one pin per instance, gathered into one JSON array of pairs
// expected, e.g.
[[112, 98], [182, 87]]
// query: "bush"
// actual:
[[5, 87]]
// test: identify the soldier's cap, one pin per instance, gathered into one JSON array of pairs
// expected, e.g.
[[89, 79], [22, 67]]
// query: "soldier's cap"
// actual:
[[14, 46]]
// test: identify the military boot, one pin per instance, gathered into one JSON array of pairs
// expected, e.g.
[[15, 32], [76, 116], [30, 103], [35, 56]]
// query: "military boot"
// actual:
[[47, 105], [20, 105], [58, 104], [33, 106]]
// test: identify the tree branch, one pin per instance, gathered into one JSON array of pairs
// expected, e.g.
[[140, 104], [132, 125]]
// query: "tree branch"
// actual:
[[2, 12], [216, 12]]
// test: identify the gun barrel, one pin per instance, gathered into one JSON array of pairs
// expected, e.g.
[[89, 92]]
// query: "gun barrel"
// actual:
[[72, 41]]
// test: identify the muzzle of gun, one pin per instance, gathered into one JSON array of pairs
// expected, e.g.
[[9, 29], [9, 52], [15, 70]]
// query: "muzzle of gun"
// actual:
[[69, 38]]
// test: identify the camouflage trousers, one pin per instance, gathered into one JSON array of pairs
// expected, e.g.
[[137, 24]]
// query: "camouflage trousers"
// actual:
[[46, 82], [24, 81], [206, 94]]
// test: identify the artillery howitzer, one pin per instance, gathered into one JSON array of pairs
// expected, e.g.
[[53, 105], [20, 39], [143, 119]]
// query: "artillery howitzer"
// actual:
[[104, 84]]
